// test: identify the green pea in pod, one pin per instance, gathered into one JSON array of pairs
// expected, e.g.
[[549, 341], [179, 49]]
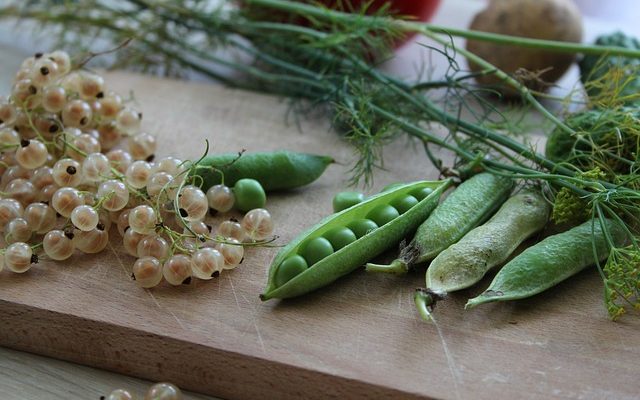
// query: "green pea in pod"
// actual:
[[551, 261], [346, 240], [473, 202], [280, 170]]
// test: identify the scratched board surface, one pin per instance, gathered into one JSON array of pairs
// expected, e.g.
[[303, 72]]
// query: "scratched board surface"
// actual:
[[359, 338]]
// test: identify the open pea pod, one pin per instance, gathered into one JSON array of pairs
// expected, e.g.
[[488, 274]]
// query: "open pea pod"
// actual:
[[367, 245]]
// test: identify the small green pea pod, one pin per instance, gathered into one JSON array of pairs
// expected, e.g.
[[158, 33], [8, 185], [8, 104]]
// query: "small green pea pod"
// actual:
[[368, 244], [278, 170], [464, 263], [473, 202], [551, 261]]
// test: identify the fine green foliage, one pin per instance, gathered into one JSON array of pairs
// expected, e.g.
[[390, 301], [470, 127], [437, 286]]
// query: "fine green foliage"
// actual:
[[606, 74]]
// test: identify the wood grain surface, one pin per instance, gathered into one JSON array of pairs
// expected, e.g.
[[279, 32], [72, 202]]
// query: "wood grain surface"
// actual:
[[359, 338]]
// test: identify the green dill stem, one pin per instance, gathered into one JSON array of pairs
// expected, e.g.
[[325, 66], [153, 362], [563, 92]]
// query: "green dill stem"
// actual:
[[421, 27]]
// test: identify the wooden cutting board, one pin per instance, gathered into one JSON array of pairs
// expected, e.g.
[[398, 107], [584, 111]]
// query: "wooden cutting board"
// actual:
[[359, 338]]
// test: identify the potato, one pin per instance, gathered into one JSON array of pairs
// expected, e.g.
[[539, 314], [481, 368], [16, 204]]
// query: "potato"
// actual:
[[540, 19]]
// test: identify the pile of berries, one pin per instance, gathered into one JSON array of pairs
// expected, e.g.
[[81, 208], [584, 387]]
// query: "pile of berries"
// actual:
[[74, 161]]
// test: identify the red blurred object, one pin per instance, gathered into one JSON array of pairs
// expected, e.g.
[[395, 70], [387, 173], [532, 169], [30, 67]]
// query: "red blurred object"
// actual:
[[420, 10]]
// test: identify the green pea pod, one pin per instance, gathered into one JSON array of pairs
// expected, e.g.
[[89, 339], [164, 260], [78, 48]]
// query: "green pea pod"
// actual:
[[551, 261], [369, 243], [464, 263], [278, 170], [473, 202]]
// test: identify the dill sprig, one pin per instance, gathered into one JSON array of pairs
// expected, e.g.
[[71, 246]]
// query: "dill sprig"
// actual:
[[328, 63]]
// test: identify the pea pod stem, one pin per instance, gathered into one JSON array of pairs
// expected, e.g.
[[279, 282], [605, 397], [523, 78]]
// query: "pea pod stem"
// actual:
[[425, 301], [397, 267]]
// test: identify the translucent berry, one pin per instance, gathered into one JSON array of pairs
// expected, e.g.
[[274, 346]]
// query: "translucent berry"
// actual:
[[147, 272], [85, 144], [177, 270], [57, 245], [90, 86], [110, 106], [142, 146], [31, 154], [233, 253], [171, 165], [121, 394], [62, 60], [231, 229], [120, 160], [109, 135], [44, 72], [130, 241], [9, 138], [84, 218], [65, 200], [153, 246], [192, 203], [138, 174], [207, 263], [8, 113], [54, 98], [258, 224], [17, 230], [220, 198], [77, 114], [163, 391], [96, 167], [122, 223], [67, 172], [142, 219], [21, 190], [42, 177], [18, 257], [40, 217], [159, 181], [128, 121], [91, 242], [9, 209], [113, 194]]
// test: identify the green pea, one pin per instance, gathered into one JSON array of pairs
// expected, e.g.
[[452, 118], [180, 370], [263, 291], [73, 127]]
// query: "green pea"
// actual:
[[383, 214], [404, 203], [317, 249], [344, 200], [361, 227], [289, 268], [279, 170], [340, 237], [249, 195], [391, 186], [421, 193]]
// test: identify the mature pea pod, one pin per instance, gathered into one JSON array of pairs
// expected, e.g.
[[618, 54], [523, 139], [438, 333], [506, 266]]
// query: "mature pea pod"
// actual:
[[370, 242], [469, 205], [551, 261], [278, 170], [464, 263]]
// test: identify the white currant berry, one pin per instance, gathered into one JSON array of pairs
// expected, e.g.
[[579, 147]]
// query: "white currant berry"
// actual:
[[142, 146], [86, 144], [44, 72], [40, 217], [233, 253], [9, 209], [192, 203], [21, 190], [62, 60], [153, 246], [231, 229], [65, 199], [207, 263], [138, 174], [122, 222], [91, 242], [85, 218], [120, 160], [109, 135], [57, 245], [54, 98], [26, 94], [90, 86], [258, 224], [15, 172], [128, 121], [130, 241], [31, 154], [161, 181], [163, 391], [47, 192], [77, 114], [67, 172], [9, 138], [18, 257], [142, 219], [17, 230], [171, 165], [177, 270], [113, 194], [147, 272], [110, 106], [220, 198], [8, 114], [42, 177], [96, 167]]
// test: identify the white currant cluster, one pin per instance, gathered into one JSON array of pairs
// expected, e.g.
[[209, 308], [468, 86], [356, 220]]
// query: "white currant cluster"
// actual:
[[73, 161], [159, 391]]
